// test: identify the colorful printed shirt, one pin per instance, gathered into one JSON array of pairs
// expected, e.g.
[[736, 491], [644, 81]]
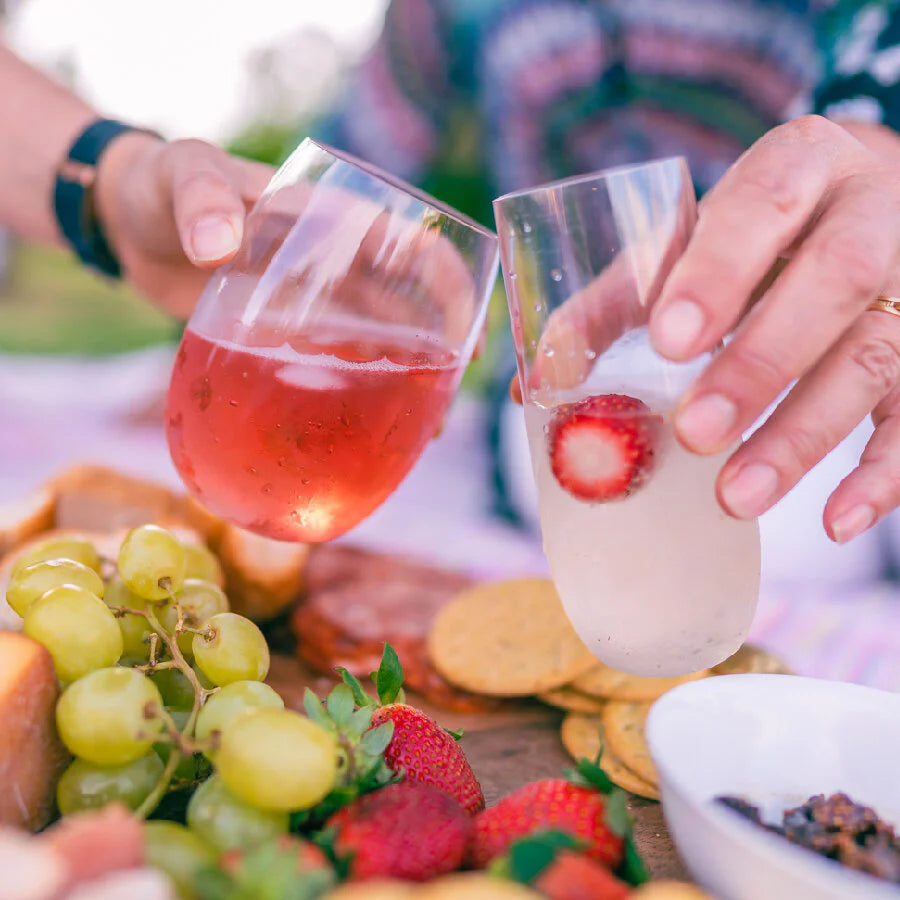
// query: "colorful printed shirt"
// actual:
[[473, 98]]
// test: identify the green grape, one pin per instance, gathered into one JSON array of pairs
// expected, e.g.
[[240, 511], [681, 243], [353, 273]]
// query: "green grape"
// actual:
[[199, 601], [77, 628], [232, 648], [152, 562], [87, 786], [202, 564], [135, 630], [176, 690], [178, 852], [62, 548], [224, 821], [30, 582], [228, 701], [101, 717], [277, 759]]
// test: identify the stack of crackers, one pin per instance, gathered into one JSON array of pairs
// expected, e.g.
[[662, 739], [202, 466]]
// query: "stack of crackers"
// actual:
[[512, 639]]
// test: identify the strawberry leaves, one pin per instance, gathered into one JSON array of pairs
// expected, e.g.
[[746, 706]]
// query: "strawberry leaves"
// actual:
[[529, 856], [389, 677]]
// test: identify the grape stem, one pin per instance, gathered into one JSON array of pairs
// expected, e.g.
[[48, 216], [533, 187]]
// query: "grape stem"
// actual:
[[183, 740], [151, 667], [151, 801]]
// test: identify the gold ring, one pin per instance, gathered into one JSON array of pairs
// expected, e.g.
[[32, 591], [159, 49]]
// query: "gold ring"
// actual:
[[886, 304]]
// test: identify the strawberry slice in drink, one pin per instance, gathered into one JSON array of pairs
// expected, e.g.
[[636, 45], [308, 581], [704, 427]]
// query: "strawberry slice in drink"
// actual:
[[603, 448]]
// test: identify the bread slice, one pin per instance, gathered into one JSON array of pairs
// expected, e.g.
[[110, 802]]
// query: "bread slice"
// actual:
[[31, 755], [98, 498], [22, 519], [262, 577]]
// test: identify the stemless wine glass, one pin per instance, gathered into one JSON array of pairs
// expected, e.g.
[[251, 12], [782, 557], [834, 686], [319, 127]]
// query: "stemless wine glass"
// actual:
[[321, 360], [656, 579]]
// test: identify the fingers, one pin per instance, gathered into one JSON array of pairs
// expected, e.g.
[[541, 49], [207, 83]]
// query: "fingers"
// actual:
[[756, 212], [821, 410], [207, 199], [872, 490], [840, 266]]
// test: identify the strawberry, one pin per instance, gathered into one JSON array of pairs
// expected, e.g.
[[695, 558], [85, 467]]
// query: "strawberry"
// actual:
[[554, 803], [424, 752], [413, 745], [551, 862], [308, 855], [572, 876], [286, 866], [602, 448], [410, 831]]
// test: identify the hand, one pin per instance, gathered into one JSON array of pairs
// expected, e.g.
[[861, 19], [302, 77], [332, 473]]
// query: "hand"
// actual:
[[172, 210], [812, 192]]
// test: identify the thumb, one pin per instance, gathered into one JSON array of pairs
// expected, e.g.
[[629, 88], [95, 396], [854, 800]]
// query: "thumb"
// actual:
[[207, 205]]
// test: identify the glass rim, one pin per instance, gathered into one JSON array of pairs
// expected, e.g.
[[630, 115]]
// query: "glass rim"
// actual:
[[597, 175], [398, 184]]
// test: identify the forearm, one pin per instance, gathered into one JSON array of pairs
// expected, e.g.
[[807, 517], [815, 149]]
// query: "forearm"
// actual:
[[40, 120]]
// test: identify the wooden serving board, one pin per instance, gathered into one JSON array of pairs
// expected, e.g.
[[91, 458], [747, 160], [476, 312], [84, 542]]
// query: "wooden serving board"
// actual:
[[507, 749]]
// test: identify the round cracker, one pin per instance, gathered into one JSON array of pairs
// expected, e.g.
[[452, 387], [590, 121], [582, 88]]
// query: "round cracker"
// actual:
[[571, 700], [581, 738], [752, 660], [474, 886], [623, 730], [602, 681], [670, 890], [389, 889], [507, 639]]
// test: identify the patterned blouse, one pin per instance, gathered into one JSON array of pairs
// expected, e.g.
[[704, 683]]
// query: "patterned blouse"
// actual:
[[473, 98]]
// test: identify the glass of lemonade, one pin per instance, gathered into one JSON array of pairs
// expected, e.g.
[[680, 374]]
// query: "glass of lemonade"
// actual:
[[320, 361], [655, 577]]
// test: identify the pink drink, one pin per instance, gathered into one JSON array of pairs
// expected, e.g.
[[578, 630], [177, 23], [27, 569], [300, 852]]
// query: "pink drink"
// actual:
[[300, 439]]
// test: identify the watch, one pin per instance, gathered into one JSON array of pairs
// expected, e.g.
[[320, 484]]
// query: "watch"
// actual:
[[74, 200]]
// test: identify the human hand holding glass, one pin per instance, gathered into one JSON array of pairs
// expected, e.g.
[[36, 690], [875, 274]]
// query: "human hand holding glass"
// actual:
[[655, 577], [320, 362]]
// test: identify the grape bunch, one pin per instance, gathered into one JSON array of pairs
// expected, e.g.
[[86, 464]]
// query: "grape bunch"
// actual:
[[162, 690]]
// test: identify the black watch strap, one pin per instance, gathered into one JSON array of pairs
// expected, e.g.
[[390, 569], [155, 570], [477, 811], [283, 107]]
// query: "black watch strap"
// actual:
[[73, 196]]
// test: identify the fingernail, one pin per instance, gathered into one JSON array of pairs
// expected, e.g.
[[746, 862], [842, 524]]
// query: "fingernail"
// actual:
[[677, 328], [852, 523], [212, 238], [706, 422], [749, 493]]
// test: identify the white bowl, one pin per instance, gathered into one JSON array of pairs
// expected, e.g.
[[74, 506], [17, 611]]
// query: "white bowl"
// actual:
[[775, 740]]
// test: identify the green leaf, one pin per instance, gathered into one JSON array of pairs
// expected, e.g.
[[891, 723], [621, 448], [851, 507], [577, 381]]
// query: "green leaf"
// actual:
[[389, 677], [375, 742], [616, 813], [359, 722], [456, 735], [359, 695], [591, 775], [314, 709], [527, 859], [633, 869], [529, 856], [340, 705]]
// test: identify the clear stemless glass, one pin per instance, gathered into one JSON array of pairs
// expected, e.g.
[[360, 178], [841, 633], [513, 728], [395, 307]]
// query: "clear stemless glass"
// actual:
[[655, 577], [320, 362]]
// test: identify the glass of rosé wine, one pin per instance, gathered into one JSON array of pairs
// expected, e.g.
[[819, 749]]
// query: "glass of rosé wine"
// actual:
[[655, 577], [320, 362]]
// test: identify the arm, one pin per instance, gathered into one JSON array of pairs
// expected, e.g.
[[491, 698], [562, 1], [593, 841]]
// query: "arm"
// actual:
[[41, 120], [169, 209]]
